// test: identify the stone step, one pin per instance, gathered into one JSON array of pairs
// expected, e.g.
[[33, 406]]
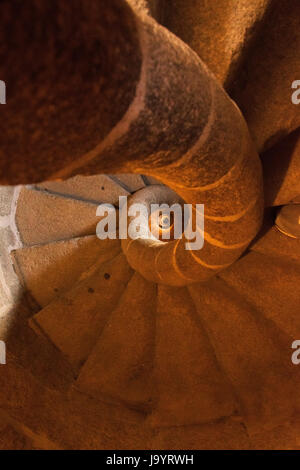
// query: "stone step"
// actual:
[[42, 217], [254, 354], [120, 366], [189, 386], [60, 421], [47, 271], [97, 189], [75, 320], [37, 354], [271, 284]]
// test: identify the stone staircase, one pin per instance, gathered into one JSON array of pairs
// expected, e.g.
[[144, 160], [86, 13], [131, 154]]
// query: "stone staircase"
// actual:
[[99, 357]]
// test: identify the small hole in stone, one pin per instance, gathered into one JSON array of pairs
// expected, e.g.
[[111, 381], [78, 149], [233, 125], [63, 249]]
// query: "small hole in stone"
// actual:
[[55, 289], [102, 188], [106, 276], [91, 290]]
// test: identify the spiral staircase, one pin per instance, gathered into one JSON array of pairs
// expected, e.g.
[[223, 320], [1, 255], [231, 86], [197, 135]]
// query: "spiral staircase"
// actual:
[[136, 345]]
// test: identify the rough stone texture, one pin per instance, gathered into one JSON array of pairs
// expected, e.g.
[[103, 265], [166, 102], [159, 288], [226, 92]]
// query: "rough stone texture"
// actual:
[[9, 285], [281, 167], [243, 328], [56, 65], [75, 320], [263, 89], [47, 271], [155, 8], [66, 422], [187, 390], [53, 217], [273, 243], [254, 354], [12, 439], [144, 139], [9, 280], [224, 434], [121, 364], [277, 297], [99, 188], [35, 353], [219, 31], [6, 193]]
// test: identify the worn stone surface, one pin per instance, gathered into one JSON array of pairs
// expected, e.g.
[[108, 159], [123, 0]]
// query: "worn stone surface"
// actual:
[[60, 95], [35, 353], [264, 87], [277, 297], [99, 188], [53, 217], [75, 320], [250, 318], [66, 422], [6, 194], [155, 8], [9, 281], [220, 32], [178, 150], [223, 434], [10, 439], [186, 390], [281, 168], [273, 243], [254, 354], [47, 271], [121, 364]]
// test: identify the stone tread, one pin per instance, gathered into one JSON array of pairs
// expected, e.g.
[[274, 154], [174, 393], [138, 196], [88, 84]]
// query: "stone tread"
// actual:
[[271, 285], [121, 364], [48, 270], [61, 421], [53, 217], [189, 386], [254, 354], [38, 355], [98, 188], [74, 321]]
